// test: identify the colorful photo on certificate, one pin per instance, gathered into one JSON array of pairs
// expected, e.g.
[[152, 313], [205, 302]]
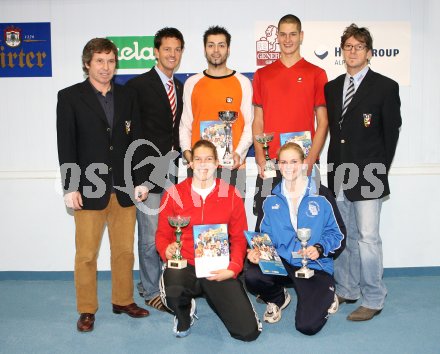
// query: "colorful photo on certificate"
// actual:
[[211, 248], [214, 131], [270, 262], [303, 139]]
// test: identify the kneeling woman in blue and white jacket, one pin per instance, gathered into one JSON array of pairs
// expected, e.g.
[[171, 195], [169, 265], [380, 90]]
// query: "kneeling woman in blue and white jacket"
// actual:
[[297, 202]]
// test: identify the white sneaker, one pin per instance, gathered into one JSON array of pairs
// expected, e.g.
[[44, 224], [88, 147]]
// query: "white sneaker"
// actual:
[[193, 315], [334, 306], [273, 312]]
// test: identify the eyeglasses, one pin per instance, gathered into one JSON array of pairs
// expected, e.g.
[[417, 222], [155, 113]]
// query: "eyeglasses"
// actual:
[[357, 47]]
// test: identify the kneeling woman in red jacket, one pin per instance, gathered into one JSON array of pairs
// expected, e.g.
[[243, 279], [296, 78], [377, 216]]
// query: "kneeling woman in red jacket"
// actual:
[[206, 200]]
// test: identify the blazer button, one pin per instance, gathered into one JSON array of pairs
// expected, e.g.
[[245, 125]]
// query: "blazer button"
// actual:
[[342, 141], [108, 129], [111, 147]]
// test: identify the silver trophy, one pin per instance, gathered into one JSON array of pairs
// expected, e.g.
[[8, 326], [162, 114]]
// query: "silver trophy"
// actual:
[[178, 262], [269, 169], [228, 117], [305, 272]]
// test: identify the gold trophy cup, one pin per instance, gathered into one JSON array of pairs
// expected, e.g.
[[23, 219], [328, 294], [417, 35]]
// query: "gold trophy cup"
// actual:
[[178, 262]]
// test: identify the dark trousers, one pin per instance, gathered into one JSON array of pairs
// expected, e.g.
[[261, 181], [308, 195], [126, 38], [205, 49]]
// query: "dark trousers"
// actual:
[[263, 188], [227, 298], [315, 295]]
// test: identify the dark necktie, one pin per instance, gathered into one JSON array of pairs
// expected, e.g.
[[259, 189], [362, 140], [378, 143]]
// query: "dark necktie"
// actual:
[[348, 97]]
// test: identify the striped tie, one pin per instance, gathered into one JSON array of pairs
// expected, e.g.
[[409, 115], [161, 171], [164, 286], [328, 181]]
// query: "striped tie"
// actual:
[[172, 98], [348, 97]]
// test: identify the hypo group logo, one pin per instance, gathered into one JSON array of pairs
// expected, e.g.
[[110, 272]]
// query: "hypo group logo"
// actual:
[[377, 52], [321, 52], [25, 49], [391, 48], [135, 52]]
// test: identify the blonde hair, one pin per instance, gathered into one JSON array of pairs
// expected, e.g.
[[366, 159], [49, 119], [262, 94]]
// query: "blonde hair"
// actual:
[[294, 147]]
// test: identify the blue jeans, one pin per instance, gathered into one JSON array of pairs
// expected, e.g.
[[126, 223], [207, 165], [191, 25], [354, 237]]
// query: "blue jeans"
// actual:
[[150, 264], [359, 268]]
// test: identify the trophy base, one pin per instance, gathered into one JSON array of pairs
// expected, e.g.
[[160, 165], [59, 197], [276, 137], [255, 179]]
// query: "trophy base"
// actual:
[[227, 163], [177, 263], [304, 273], [270, 174]]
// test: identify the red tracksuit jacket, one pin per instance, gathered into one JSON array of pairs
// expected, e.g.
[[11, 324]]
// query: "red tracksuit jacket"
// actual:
[[222, 206]]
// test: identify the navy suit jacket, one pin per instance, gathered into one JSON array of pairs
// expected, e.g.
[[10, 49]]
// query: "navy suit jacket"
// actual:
[[86, 139], [368, 137], [157, 122]]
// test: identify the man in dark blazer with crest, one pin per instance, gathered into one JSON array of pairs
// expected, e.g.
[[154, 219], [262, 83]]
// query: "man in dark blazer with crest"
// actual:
[[97, 121], [364, 120], [160, 100]]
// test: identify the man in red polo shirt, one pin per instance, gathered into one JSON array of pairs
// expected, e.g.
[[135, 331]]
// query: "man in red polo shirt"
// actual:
[[288, 97]]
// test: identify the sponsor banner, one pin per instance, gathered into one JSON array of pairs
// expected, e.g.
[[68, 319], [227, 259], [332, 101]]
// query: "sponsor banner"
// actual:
[[135, 52], [25, 49], [321, 46]]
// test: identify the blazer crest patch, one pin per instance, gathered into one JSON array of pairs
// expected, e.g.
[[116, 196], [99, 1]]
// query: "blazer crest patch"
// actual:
[[127, 126], [367, 119]]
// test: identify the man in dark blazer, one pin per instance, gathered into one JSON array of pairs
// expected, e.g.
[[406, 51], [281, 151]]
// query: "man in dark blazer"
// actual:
[[160, 101], [364, 120], [96, 122]]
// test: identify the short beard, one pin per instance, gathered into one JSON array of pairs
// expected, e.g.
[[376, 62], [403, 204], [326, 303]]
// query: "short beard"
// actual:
[[216, 65]]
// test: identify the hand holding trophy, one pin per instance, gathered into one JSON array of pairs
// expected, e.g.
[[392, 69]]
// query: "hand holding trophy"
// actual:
[[178, 262], [305, 272], [269, 168]]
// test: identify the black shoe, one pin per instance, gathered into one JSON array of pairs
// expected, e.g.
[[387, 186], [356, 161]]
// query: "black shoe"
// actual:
[[341, 300]]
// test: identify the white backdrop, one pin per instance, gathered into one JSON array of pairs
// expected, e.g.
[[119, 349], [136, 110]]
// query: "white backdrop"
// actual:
[[37, 233]]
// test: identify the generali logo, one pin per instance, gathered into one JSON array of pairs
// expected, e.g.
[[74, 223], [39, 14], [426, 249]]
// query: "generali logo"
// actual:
[[135, 52], [267, 47]]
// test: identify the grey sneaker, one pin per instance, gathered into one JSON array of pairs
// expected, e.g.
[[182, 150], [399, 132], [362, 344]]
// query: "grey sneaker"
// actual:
[[273, 312], [193, 315]]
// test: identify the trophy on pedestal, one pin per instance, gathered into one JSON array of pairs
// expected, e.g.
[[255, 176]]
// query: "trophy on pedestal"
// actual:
[[178, 262], [304, 272], [228, 117], [269, 168]]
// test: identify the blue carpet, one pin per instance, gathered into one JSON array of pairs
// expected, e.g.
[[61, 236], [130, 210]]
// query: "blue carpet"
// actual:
[[40, 317]]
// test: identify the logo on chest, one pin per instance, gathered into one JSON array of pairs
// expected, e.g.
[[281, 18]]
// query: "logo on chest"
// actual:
[[312, 209]]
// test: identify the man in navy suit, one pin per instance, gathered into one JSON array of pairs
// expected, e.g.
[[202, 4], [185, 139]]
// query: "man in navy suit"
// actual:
[[97, 121], [160, 101], [364, 120]]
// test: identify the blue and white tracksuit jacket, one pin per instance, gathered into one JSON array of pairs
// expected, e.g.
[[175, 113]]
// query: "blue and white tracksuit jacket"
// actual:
[[314, 212]]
